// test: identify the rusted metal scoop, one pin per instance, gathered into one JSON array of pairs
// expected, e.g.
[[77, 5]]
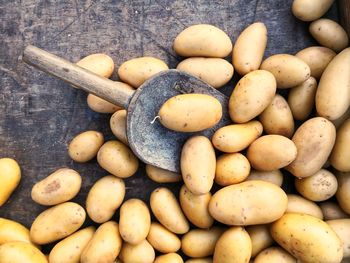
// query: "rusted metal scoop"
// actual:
[[150, 141]]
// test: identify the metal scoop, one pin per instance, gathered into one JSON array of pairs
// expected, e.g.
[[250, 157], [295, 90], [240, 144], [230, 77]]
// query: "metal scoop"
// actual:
[[151, 142]]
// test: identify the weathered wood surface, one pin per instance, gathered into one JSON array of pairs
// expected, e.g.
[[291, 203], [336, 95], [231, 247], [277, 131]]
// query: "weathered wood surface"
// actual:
[[39, 115]]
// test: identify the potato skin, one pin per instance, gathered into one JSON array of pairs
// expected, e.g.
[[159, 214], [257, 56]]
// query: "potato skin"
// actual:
[[118, 125], [307, 238], [100, 105], [20, 252], [169, 258], [162, 239], [275, 177], [10, 175], [140, 253], [260, 237], [331, 210], [199, 260], [274, 255], [341, 151], [160, 175], [85, 146], [310, 10], [100, 64], [298, 204], [11, 231], [343, 193], [342, 228]]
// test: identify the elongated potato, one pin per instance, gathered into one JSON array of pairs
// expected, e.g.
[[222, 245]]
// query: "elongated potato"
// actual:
[[202, 41], [190, 112], [341, 152], [198, 164], [310, 10], [331, 210], [307, 238], [260, 237], [274, 255], [10, 175], [288, 70], [169, 258], [275, 177], [167, 210], [343, 193], [214, 71], [298, 204], [236, 137], [11, 231], [100, 64], [160, 175], [342, 228], [314, 141], [118, 125], [104, 198], [100, 105], [140, 253], [162, 239], [20, 252], [249, 48], [252, 94], [85, 146], [265, 201]]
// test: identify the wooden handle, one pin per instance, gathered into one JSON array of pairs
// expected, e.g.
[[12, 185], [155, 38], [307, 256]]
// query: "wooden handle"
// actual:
[[344, 14], [104, 88]]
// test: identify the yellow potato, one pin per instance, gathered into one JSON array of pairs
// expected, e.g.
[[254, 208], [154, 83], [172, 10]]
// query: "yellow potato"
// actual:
[[202, 41], [85, 146], [317, 58], [343, 193], [271, 152], [260, 237], [329, 33], [301, 99], [11, 231], [198, 164], [298, 204], [100, 64], [59, 187], [252, 94], [104, 246], [274, 255], [71, 248], [140, 253], [331, 210], [57, 222], [235, 244], [248, 203], [195, 207], [317, 187], [167, 210], [277, 118], [314, 140], [338, 122], [160, 175], [190, 112], [10, 175], [333, 89], [118, 125], [310, 10], [137, 70], [134, 221], [231, 168], [342, 228], [214, 71], [162, 239], [100, 105], [199, 260], [249, 48], [200, 242], [99, 204], [116, 158], [341, 152], [21, 252], [236, 137], [169, 258], [288, 70], [275, 177], [307, 238]]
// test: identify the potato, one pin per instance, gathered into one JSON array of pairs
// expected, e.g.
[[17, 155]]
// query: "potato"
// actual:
[[167, 210], [231, 168], [85, 146], [11, 231], [275, 177], [140, 253], [298, 204], [214, 71], [162, 239], [329, 33], [202, 41], [271, 152], [332, 96], [10, 175], [71, 248], [160, 175], [310, 10], [104, 198], [277, 118], [314, 141], [169, 258], [343, 193], [252, 94], [116, 158], [235, 244], [104, 245], [118, 125], [331, 210], [100, 105], [248, 203], [21, 252], [307, 238], [198, 164], [100, 64], [134, 221], [199, 260], [274, 255], [341, 152], [57, 222], [136, 71], [288, 70], [195, 207], [236, 137], [342, 228], [200, 242], [190, 112], [301, 99], [318, 187], [260, 237]]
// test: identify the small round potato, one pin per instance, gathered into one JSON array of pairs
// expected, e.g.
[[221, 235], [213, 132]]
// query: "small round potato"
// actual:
[[203, 41], [199, 260], [10, 175], [104, 198], [340, 157], [118, 125], [160, 175], [162, 239], [20, 252], [318, 187], [59, 187], [298, 204], [275, 177], [85, 146], [231, 168], [331, 210], [140, 253], [169, 258], [310, 10], [274, 255], [116, 158], [100, 105], [342, 228], [288, 70], [329, 33], [11, 231], [343, 193], [260, 237], [100, 64]]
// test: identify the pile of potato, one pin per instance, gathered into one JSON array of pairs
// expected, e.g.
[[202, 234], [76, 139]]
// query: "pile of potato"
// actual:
[[256, 220]]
